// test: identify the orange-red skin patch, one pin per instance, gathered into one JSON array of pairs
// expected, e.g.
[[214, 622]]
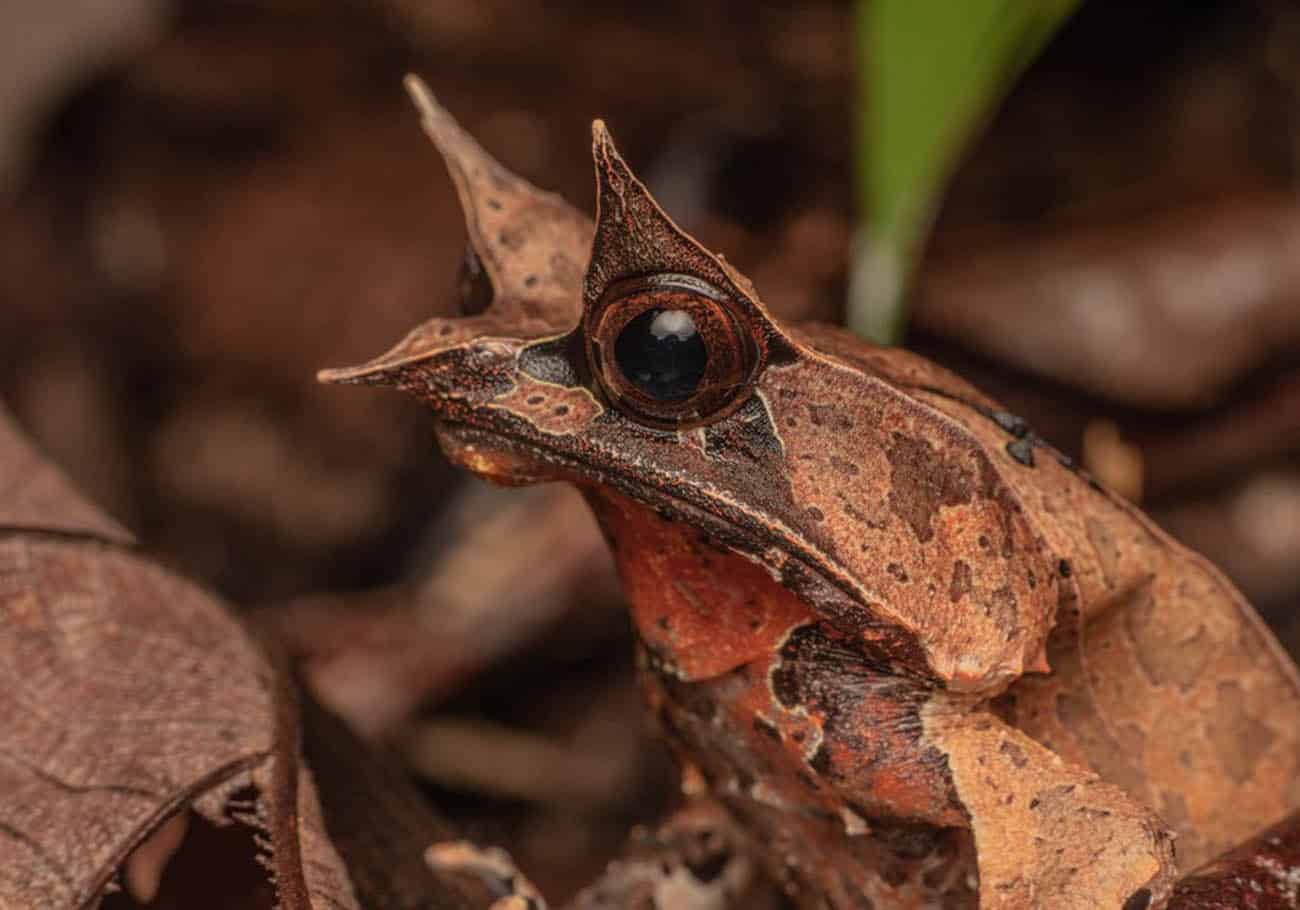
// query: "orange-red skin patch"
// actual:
[[702, 610]]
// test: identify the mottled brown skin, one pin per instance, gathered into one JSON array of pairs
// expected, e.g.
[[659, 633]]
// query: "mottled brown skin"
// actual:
[[921, 658], [1261, 874]]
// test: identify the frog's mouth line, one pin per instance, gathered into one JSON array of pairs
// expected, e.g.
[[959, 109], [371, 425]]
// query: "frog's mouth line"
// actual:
[[546, 463], [551, 464]]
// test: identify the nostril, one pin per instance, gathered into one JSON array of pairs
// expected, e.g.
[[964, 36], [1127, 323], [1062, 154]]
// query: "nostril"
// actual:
[[474, 285]]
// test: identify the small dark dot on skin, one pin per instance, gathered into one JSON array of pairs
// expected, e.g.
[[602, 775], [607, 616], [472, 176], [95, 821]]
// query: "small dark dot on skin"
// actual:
[[1022, 450], [1138, 900], [536, 399], [530, 281], [1064, 568], [984, 542], [816, 514], [562, 410], [791, 422], [445, 330], [494, 204], [1011, 423], [821, 760], [709, 869]]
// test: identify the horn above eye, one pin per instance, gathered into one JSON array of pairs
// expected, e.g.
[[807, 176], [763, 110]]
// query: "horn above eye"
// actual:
[[671, 350]]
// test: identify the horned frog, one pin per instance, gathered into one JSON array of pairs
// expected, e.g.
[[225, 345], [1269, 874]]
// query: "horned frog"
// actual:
[[919, 657]]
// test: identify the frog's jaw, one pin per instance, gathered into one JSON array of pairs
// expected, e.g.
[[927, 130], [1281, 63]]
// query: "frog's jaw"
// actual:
[[490, 456]]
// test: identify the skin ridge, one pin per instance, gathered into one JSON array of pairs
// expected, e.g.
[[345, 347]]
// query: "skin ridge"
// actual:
[[1161, 539], [978, 407]]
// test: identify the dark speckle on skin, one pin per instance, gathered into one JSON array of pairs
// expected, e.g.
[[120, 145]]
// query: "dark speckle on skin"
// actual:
[[821, 760], [536, 399], [708, 868], [1064, 568], [1022, 450], [819, 414], [785, 687], [1011, 423], [1015, 753], [847, 468], [961, 581], [923, 479], [1138, 900]]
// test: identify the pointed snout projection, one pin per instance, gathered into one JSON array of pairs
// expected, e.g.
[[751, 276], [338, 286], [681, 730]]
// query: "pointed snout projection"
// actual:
[[528, 250]]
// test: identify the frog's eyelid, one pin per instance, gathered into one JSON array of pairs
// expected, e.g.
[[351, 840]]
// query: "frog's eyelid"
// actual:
[[636, 236]]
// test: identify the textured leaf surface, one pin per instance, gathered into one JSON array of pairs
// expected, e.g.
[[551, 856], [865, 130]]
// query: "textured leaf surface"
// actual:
[[128, 695]]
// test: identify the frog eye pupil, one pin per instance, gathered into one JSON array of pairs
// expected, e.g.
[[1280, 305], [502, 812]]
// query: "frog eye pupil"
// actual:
[[662, 354]]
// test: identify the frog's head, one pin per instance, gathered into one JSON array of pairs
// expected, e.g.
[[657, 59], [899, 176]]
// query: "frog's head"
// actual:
[[626, 358]]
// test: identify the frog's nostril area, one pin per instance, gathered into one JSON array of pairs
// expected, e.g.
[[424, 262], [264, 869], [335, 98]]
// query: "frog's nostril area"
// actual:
[[475, 286]]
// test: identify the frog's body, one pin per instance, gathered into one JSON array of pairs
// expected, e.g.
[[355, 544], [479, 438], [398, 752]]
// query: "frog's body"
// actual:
[[911, 648]]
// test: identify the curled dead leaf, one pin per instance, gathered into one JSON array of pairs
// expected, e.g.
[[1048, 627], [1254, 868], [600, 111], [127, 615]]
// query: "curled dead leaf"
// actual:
[[135, 705], [130, 694]]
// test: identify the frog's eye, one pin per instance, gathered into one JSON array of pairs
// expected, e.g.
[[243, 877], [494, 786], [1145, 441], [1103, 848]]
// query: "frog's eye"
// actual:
[[670, 350]]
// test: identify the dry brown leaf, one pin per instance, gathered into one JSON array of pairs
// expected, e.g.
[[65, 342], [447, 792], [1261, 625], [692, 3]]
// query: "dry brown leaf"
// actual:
[[35, 495], [130, 695]]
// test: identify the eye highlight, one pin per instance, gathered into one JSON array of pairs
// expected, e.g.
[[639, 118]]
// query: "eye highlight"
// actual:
[[662, 353], [670, 350]]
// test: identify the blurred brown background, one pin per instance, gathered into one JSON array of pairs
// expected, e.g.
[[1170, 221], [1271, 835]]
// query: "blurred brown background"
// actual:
[[203, 202]]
